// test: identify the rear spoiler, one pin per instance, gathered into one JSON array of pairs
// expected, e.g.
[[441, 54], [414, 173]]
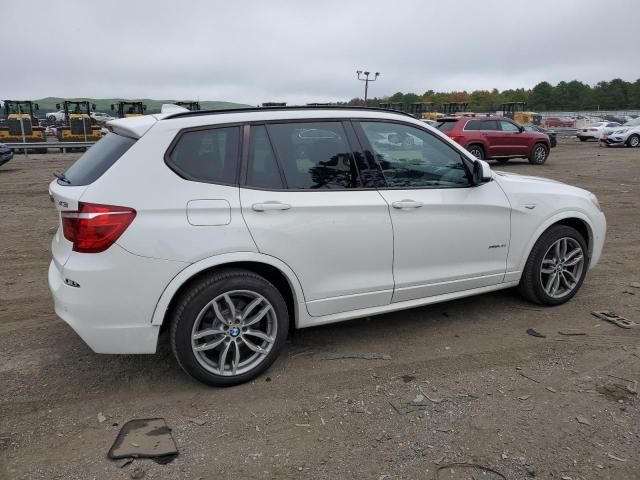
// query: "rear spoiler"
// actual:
[[133, 127]]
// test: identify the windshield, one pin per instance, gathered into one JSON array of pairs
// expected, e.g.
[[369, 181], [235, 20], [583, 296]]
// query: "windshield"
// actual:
[[77, 107], [447, 126], [22, 107], [632, 123]]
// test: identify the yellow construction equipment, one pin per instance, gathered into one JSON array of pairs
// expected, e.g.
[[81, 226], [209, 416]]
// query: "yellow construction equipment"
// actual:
[[274, 104], [516, 112], [20, 124], [192, 105], [457, 109], [78, 124], [395, 106], [424, 111], [128, 108]]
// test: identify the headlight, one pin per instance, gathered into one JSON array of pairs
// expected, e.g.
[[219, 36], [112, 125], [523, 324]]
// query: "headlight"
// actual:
[[595, 201]]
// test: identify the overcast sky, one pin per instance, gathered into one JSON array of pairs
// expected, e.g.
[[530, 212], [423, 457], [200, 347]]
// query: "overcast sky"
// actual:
[[303, 51]]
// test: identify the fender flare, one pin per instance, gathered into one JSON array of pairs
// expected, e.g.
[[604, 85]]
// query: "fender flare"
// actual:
[[224, 259], [555, 218]]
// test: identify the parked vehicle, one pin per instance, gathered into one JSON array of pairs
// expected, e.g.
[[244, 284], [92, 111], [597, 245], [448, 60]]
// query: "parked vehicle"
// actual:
[[496, 137], [6, 154], [627, 134], [558, 122], [301, 216], [553, 136], [101, 118], [58, 116], [595, 130]]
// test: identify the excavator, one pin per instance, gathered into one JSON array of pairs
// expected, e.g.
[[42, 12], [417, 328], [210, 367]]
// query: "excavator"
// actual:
[[78, 126], [128, 108], [20, 124], [192, 105], [516, 112]]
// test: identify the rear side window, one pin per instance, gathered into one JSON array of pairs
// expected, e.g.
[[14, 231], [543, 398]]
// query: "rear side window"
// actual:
[[98, 159], [447, 126], [474, 125], [262, 170], [314, 155], [207, 155]]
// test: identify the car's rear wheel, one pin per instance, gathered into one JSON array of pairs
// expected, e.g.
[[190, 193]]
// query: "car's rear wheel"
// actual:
[[556, 266], [538, 154], [582, 139], [633, 140], [477, 151], [51, 118], [228, 327]]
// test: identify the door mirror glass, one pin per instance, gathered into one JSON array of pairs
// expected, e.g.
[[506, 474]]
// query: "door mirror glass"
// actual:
[[57, 106]]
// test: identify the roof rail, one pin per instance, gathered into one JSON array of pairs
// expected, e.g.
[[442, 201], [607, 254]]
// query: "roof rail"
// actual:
[[293, 107]]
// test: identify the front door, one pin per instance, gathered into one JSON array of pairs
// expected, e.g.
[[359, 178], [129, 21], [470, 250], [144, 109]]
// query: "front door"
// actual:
[[304, 203], [449, 236]]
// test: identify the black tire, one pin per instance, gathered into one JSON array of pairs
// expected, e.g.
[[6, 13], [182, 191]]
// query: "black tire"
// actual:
[[51, 118], [476, 150], [199, 294], [539, 154], [530, 286], [582, 139], [502, 160], [633, 140]]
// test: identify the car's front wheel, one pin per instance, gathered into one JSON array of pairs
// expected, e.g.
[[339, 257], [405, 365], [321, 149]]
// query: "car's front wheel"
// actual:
[[633, 140], [538, 154], [228, 327], [556, 266]]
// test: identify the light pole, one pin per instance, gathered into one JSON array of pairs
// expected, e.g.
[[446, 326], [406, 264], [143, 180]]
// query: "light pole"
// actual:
[[366, 81]]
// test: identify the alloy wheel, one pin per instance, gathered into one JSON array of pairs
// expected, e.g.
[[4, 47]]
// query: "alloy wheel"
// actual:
[[634, 141], [234, 332], [562, 267], [540, 154]]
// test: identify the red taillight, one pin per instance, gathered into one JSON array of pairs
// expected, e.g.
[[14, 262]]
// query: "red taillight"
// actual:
[[94, 228], [455, 138]]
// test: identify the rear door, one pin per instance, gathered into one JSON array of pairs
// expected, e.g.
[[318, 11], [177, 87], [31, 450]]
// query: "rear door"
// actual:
[[305, 200]]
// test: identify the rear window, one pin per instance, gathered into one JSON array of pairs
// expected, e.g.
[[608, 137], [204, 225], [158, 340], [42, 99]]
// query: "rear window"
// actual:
[[447, 126], [98, 159]]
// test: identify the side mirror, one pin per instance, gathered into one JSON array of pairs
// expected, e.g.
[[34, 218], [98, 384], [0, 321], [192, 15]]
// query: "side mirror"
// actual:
[[481, 172], [36, 107], [521, 128], [144, 107], [93, 106], [112, 107], [57, 106]]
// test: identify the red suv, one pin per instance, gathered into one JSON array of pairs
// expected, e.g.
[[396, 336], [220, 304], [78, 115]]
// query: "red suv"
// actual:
[[496, 137]]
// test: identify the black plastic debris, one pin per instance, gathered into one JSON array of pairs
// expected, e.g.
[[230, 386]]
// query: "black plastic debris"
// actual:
[[145, 438]]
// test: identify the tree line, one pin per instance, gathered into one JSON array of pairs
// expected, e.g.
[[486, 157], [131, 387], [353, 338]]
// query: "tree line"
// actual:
[[616, 94]]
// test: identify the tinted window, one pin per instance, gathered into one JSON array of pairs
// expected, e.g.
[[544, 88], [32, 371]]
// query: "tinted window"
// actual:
[[447, 126], [481, 125], [262, 170], [508, 127], [314, 155], [411, 157], [97, 160], [207, 155]]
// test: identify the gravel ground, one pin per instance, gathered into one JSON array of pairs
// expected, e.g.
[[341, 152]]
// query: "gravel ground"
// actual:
[[461, 382]]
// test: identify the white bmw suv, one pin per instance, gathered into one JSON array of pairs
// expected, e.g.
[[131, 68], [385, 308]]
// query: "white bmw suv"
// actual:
[[227, 227]]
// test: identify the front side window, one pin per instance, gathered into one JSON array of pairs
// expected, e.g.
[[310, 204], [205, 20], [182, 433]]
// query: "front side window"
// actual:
[[508, 127], [314, 155], [410, 157], [207, 155]]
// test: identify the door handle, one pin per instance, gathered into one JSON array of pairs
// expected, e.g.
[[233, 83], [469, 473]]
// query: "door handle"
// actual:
[[268, 206], [406, 204]]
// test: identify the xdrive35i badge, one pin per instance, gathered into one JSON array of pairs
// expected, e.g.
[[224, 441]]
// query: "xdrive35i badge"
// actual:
[[500, 245]]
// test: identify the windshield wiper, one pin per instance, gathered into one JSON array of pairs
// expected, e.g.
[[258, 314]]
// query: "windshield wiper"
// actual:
[[62, 177]]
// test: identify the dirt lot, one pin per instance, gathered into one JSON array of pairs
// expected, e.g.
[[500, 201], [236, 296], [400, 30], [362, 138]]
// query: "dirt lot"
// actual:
[[521, 405]]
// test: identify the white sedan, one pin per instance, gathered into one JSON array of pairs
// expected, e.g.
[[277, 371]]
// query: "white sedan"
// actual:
[[627, 134], [595, 130], [101, 117], [56, 116]]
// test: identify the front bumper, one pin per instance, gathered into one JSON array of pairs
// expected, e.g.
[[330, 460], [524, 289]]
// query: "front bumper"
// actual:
[[112, 304], [613, 140]]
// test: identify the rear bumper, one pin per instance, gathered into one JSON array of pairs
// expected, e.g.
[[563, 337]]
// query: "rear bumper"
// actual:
[[112, 305]]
